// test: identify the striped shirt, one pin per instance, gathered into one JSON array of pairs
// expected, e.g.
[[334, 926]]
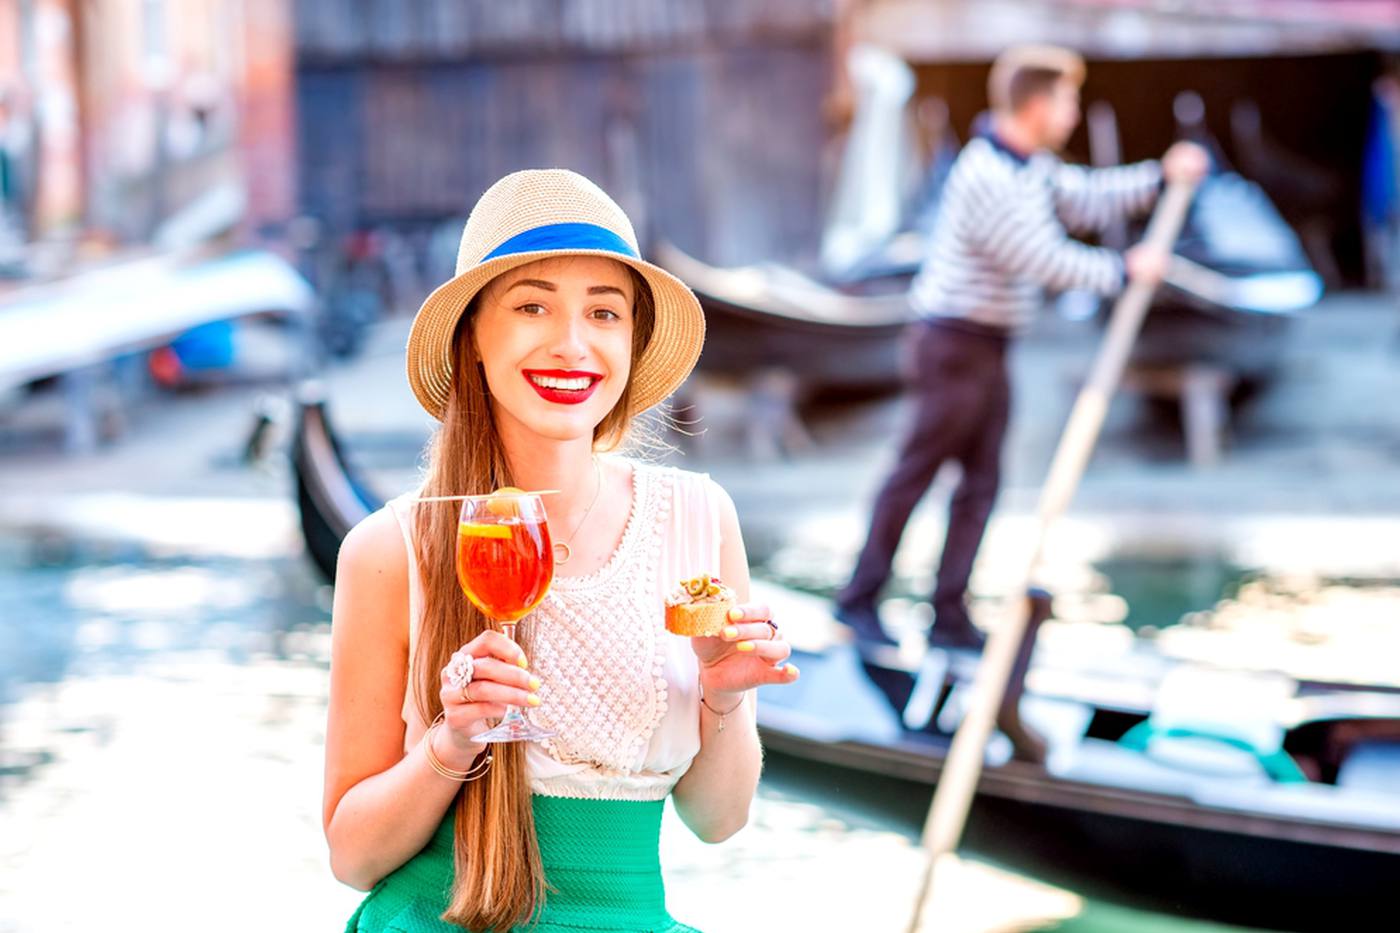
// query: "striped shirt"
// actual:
[[1003, 228]]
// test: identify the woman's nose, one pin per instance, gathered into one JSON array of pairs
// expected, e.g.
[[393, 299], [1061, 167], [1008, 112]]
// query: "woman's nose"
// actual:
[[568, 341]]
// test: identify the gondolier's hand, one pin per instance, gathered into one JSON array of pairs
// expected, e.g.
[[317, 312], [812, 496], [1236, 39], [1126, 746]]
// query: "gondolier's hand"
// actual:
[[1146, 264], [499, 676], [1186, 162], [749, 652]]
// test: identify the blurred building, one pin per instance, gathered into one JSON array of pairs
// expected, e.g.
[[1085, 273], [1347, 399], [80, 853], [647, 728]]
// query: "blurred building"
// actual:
[[1281, 91], [120, 114], [702, 118]]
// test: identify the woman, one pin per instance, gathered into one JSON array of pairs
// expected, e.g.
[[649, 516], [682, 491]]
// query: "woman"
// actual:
[[536, 357]]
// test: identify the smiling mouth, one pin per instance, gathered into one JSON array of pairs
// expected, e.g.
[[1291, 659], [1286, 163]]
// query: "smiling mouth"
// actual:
[[563, 387]]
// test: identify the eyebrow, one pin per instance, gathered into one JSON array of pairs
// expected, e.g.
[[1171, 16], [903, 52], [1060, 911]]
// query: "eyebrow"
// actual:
[[551, 287]]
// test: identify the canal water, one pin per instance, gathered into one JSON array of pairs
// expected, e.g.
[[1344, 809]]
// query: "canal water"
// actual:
[[162, 701]]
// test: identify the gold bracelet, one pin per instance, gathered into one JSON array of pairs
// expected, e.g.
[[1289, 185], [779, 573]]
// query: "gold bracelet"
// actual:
[[717, 712], [477, 769]]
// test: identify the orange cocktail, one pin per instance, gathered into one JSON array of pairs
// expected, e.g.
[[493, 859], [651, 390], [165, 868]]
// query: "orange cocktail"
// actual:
[[505, 568], [505, 563]]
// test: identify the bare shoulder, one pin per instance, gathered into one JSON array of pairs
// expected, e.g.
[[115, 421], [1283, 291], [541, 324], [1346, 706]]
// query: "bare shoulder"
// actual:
[[734, 561], [724, 504], [375, 545], [371, 575], [702, 488], [369, 628]]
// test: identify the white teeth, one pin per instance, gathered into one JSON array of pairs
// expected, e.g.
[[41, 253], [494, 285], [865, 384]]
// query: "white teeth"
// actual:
[[577, 384]]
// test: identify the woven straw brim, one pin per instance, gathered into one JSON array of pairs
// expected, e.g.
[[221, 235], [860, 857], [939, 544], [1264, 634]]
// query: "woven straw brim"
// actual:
[[668, 358]]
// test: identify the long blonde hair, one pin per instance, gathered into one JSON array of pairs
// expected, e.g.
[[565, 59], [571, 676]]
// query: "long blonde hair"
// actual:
[[499, 879]]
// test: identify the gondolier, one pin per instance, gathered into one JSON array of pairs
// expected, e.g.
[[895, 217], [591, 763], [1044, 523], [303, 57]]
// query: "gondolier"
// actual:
[[1002, 238]]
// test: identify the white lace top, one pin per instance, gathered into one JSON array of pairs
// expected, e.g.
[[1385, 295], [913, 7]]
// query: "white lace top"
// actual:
[[619, 689]]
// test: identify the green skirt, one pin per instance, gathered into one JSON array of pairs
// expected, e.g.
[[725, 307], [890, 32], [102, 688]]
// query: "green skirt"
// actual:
[[601, 863]]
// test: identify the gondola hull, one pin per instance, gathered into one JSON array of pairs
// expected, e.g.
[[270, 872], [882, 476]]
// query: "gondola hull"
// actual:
[[1238, 283], [331, 498], [1248, 346], [1134, 849], [742, 341], [1231, 863], [1228, 876], [768, 317]]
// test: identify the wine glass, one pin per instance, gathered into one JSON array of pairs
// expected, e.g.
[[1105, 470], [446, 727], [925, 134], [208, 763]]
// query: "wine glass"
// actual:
[[505, 563]]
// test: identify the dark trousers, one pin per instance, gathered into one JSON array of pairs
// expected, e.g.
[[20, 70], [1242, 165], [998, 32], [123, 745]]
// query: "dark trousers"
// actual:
[[962, 399]]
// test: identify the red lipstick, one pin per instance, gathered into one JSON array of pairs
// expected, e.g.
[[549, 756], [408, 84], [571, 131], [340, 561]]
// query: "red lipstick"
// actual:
[[560, 394]]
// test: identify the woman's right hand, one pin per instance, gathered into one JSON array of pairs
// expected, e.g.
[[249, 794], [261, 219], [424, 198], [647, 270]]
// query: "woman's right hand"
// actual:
[[500, 678]]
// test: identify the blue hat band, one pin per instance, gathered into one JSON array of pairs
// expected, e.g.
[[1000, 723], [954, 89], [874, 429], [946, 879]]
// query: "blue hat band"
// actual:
[[564, 237]]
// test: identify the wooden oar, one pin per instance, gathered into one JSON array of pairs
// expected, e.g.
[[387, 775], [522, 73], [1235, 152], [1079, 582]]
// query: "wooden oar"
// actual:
[[948, 813]]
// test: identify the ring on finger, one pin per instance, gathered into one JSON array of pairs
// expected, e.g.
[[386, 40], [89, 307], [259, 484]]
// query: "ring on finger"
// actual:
[[460, 670], [774, 626], [466, 693]]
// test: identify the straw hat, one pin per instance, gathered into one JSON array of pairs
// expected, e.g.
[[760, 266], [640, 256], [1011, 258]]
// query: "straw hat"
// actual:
[[534, 215]]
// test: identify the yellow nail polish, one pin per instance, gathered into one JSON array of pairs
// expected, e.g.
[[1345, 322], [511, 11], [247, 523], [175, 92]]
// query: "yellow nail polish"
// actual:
[[534, 683], [745, 646], [533, 700], [731, 632], [522, 662], [792, 670], [736, 614]]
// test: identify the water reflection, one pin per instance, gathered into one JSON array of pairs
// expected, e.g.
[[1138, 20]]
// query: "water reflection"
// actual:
[[1203, 605], [162, 716], [73, 609], [115, 612], [1341, 631], [1152, 592], [162, 711]]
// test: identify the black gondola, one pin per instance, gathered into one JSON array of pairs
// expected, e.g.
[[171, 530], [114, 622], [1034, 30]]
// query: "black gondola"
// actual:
[[769, 316], [1217, 828], [331, 498], [1239, 277], [1237, 280], [1114, 787], [1252, 844]]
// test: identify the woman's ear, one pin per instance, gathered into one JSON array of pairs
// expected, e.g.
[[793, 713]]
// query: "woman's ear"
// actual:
[[469, 325]]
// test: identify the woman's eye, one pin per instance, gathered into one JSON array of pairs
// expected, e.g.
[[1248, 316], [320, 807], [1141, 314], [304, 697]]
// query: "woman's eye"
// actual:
[[531, 308], [606, 314]]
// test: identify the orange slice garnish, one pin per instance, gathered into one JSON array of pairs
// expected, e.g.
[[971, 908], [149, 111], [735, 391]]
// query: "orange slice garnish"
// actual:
[[502, 502], [483, 530]]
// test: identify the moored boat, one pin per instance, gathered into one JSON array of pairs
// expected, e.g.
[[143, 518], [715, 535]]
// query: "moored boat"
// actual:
[[331, 498], [1236, 796], [769, 316]]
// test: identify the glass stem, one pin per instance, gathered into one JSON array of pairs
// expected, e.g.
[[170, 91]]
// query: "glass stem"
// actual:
[[513, 714]]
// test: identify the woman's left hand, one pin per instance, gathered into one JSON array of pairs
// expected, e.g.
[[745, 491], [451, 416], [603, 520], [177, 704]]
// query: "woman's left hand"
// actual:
[[749, 652]]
